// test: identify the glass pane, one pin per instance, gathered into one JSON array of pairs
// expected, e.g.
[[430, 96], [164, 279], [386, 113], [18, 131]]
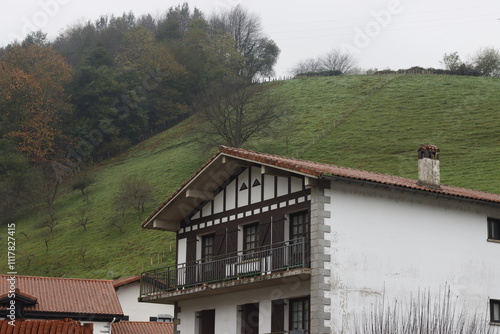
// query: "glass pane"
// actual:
[[496, 311]]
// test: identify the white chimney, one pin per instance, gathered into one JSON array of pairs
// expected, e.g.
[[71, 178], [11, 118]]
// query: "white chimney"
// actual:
[[428, 166]]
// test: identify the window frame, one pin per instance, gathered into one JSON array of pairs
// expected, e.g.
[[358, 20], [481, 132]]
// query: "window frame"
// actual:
[[296, 223], [493, 229], [306, 314], [245, 235], [204, 255], [493, 319]]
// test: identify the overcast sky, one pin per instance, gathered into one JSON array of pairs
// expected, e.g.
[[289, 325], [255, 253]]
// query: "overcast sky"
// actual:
[[380, 33]]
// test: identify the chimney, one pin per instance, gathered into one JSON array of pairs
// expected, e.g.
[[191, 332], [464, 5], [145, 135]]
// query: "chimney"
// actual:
[[428, 167]]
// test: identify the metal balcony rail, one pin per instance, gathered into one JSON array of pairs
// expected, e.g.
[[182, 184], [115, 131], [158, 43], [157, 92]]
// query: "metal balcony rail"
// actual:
[[277, 257]]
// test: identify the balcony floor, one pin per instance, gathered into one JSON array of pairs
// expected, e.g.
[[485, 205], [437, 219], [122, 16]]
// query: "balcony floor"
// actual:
[[203, 290]]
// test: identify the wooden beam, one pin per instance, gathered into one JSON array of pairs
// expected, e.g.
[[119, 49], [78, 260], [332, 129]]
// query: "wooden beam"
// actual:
[[273, 171], [204, 196], [166, 225], [310, 182]]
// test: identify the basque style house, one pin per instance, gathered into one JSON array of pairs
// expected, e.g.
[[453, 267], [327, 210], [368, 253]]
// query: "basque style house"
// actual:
[[269, 244]]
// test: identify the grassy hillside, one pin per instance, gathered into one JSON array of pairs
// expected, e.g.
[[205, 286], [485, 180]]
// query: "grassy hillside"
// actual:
[[369, 122]]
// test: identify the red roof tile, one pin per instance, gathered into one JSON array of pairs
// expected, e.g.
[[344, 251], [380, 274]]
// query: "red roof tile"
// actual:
[[127, 280], [320, 170], [66, 326], [323, 170], [67, 295], [142, 327]]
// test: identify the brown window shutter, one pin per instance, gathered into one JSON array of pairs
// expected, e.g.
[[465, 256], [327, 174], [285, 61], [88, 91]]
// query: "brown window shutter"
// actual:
[[232, 239], [278, 228], [265, 232], [191, 249]]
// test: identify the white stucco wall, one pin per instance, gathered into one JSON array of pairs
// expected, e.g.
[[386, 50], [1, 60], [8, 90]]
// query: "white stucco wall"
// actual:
[[226, 306], [137, 311], [393, 244]]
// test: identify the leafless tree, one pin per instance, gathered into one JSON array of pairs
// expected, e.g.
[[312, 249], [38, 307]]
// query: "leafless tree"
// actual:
[[337, 60], [119, 222], [46, 236], [259, 53], [308, 65], [236, 112], [134, 193], [84, 216]]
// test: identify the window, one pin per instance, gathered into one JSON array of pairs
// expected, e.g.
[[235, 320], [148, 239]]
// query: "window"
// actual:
[[495, 310], [299, 225], [207, 246], [493, 229], [250, 237], [299, 315]]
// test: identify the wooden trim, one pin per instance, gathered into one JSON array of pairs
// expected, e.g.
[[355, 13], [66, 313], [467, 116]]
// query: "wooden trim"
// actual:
[[244, 220], [251, 207]]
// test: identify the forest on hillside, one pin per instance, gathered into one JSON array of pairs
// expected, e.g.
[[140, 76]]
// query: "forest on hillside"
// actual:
[[101, 86]]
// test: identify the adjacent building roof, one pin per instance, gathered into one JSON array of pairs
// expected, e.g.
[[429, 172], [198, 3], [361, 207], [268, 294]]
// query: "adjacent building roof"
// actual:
[[212, 169], [124, 281], [142, 327], [66, 326], [66, 296]]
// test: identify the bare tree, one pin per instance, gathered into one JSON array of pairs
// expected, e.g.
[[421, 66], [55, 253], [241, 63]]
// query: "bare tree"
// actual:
[[337, 60], [308, 65], [82, 181], [334, 61], [118, 222], [236, 112], [46, 236], [134, 193], [84, 219], [260, 53]]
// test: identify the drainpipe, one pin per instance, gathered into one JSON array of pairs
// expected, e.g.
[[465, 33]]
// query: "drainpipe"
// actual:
[[111, 325]]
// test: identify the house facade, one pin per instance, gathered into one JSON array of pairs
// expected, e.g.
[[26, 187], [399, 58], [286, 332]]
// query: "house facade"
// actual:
[[269, 244]]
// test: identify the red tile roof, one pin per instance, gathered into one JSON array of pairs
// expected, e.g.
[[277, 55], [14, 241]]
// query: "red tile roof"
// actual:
[[323, 170], [124, 281], [142, 327], [320, 170], [66, 295], [66, 326]]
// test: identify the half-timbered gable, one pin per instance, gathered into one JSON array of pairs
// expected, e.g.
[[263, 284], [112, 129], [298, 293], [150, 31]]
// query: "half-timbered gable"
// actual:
[[249, 197]]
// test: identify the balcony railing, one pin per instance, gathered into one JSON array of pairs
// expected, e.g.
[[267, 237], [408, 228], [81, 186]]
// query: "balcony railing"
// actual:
[[270, 259]]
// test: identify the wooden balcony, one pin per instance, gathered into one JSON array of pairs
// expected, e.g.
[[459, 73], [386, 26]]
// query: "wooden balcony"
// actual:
[[260, 267]]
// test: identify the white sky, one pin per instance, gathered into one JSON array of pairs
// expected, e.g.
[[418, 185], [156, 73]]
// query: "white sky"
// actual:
[[380, 33]]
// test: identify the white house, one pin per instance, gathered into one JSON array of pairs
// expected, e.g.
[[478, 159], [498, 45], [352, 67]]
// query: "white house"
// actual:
[[268, 244], [127, 290]]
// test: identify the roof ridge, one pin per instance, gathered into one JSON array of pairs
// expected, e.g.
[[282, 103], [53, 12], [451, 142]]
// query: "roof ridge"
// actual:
[[60, 278]]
